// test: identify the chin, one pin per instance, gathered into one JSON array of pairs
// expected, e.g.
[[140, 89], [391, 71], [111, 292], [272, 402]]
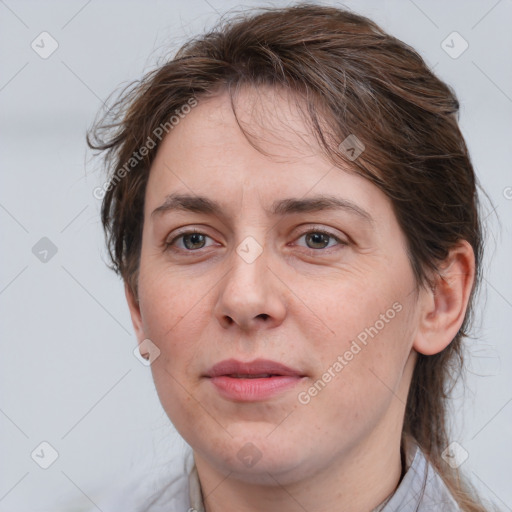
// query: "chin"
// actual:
[[261, 458]]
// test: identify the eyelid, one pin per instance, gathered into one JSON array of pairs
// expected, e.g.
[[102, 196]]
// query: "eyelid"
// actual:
[[325, 231], [305, 230], [184, 232]]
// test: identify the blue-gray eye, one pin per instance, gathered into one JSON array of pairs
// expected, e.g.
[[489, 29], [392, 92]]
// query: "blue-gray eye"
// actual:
[[193, 241], [189, 241], [319, 240]]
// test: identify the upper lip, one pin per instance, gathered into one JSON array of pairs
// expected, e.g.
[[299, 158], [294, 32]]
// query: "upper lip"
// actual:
[[256, 367]]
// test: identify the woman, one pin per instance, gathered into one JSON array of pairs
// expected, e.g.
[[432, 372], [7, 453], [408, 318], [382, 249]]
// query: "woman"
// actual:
[[293, 210]]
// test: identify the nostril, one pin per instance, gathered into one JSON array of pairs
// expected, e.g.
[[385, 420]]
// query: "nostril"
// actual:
[[228, 320]]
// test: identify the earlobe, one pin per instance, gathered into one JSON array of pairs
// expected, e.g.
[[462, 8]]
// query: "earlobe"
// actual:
[[135, 314], [443, 307]]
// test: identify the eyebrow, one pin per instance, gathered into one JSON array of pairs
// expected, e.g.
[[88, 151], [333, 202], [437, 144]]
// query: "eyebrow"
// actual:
[[201, 204]]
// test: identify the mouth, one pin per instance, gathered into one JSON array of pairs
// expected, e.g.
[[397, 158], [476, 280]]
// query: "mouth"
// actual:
[[252, 381], [251, 376], [257, 369]]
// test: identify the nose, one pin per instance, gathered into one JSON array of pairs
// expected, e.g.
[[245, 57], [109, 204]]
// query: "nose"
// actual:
[[250, 295]]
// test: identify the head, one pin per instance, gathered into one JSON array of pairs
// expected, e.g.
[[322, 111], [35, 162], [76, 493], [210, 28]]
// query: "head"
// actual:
[[293, 186]]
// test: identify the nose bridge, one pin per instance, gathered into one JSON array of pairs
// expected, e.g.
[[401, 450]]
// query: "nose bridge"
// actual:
[[250, 295], [247, 278]]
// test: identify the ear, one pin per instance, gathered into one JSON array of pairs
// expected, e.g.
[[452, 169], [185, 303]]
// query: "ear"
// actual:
[[444, 306], [134, 307]]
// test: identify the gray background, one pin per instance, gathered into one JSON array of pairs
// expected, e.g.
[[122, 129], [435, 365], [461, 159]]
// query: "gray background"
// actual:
[[67, 372]]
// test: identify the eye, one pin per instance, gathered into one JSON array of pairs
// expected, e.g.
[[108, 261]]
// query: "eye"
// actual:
[[319, 239], [189, 241]]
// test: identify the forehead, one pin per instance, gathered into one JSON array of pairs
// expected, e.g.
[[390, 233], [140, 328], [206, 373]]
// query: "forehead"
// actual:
[[255, 128], [272, 119], [208, 153]]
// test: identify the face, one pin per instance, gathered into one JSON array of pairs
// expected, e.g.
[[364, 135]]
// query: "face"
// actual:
[[278, 290]]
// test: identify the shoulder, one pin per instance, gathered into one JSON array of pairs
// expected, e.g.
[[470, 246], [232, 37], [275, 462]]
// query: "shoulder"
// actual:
[[158, 490]]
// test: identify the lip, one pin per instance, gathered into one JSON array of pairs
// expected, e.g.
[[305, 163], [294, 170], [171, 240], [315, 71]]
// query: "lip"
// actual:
[[252, 381]]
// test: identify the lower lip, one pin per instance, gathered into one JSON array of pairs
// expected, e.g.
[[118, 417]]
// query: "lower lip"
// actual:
[[252, 390]]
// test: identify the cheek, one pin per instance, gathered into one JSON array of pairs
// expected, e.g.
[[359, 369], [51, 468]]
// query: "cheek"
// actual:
[[362, 359], [173, 318], [349, 309], [175, 312], [166, 302]]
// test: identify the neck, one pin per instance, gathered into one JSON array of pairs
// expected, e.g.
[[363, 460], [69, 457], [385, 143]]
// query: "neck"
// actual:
[[360, 481]]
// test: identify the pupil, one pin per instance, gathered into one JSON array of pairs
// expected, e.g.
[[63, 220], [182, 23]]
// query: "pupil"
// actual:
[[318, 238], [194, 239]]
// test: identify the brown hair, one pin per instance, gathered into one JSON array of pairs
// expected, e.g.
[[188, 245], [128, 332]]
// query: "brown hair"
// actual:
[[353, 78]]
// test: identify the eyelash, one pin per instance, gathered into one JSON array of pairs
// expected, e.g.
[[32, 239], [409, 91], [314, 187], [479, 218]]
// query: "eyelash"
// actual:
[[169, 245]]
